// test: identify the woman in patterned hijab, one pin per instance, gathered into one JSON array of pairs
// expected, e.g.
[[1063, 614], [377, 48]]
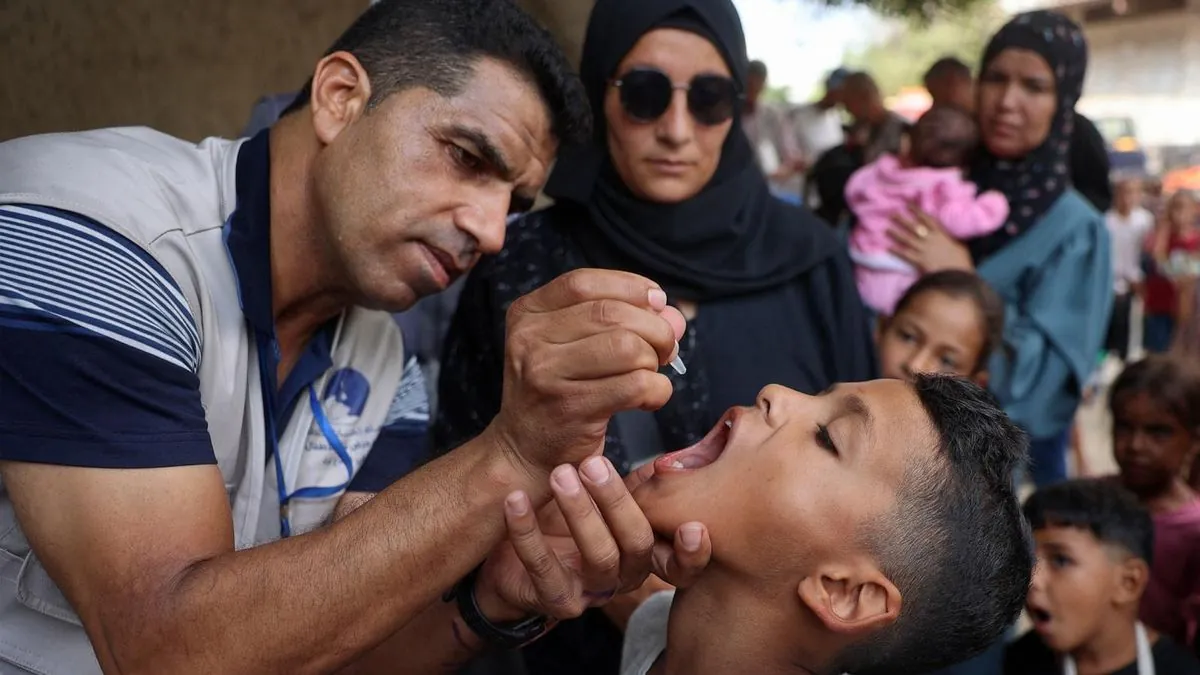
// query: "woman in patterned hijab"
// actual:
[[1051, 262], [1032, 181]]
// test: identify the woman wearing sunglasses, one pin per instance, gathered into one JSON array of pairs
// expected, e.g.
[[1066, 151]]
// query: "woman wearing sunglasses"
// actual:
[[669, 189]]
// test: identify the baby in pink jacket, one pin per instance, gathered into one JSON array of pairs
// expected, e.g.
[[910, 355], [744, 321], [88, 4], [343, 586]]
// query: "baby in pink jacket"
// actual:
[[930, 175]]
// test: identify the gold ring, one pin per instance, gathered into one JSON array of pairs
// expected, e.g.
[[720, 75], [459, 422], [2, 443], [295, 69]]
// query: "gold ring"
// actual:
[[922, 231]]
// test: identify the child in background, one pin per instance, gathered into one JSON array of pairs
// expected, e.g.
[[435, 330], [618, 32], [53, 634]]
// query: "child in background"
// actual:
[[1155, 406], [1169, 289], [947, 322], [1129, 224], [1094, 548], [929, 175]]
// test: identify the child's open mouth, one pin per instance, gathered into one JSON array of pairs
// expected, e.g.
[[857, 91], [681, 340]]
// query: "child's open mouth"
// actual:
[[702, 454], [1039, 617]]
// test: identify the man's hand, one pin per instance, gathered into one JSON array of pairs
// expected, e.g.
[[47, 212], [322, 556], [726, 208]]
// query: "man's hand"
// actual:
[[578, 350], [588, 545]]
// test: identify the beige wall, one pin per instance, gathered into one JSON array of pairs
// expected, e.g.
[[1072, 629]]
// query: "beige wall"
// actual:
[[192, 68]]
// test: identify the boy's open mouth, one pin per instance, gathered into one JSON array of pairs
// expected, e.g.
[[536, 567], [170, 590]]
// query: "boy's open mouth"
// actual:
[[702, 454], [1038, 615]]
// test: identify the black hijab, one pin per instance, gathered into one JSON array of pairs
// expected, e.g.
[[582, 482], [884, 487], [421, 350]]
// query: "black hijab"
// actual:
[[1033, 183], [730, 239]]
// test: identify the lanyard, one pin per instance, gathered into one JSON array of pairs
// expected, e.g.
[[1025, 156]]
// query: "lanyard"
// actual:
[[1145, 659], [327, 430]]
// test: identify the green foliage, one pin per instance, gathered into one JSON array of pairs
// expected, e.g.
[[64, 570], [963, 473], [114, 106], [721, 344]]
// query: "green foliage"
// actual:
[[915, 10], [901, 58], [776, 94]]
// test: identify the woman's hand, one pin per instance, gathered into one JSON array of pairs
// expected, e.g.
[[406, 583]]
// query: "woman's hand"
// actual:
[[921, 240]]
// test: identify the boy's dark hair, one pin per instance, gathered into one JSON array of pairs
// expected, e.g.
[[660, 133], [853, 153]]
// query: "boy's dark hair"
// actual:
[[1173, 383], [947, 66], [758, 69], [436, 43], [945, 136], [1099, 505], [956, 546], [963, 284]]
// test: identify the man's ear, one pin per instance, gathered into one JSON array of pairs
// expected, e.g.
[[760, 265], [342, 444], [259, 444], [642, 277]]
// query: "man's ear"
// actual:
[[340, 93], [1132, 576], [881, 323], [851, 599]]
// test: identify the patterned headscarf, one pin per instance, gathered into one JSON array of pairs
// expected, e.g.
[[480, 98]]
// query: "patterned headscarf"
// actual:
[[1035, 182]]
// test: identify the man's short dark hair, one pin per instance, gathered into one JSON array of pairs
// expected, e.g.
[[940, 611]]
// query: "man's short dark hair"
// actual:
[[948, 66], [1098, 505], [860, 81], [956, 546], [758, 69], [436, 44]]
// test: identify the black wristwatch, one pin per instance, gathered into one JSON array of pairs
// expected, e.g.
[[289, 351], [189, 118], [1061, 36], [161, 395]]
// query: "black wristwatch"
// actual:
[[504, 635]]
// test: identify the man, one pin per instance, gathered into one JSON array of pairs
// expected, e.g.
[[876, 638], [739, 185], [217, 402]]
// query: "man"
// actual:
[[876, 129], [765, 126], [1129, 224], [949, 82], [197, 386], [817, 126]]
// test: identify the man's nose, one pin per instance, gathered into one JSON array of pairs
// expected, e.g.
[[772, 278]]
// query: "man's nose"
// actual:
[[485, 221], [676, 126]]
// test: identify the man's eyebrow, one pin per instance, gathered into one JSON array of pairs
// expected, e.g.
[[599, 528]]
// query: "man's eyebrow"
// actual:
[[491, 154]]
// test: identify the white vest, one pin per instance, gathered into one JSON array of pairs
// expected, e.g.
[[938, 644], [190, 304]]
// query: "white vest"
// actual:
[[173, 198]]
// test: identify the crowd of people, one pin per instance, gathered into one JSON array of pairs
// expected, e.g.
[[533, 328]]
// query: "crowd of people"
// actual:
[[758, 391]]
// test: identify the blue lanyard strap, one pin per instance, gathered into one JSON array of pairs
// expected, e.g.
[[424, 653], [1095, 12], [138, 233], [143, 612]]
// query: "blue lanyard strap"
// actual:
[[314, 492]]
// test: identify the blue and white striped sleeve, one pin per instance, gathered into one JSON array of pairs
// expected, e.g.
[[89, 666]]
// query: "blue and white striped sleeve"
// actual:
[[99, 351], [402, 444]]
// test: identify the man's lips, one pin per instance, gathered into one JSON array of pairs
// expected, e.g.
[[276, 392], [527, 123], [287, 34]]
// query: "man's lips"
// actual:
[[445, 266]]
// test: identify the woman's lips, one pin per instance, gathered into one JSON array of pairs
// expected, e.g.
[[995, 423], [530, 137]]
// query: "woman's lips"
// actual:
[[670, 166]]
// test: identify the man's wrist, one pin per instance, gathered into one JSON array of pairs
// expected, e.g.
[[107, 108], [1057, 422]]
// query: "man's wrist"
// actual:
[[508, 467], [493, 607]]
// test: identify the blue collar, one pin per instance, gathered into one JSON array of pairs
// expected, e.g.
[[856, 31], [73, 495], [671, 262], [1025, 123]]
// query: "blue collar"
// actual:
[[249, 236], [248, 240]]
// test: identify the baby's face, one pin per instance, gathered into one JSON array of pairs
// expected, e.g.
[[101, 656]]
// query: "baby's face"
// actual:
[[790, 483]]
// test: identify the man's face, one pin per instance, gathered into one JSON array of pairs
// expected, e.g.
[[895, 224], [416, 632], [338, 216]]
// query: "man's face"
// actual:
[[1128, 195], [1075, 582], [790, 483], [412, 192], [755, 84]]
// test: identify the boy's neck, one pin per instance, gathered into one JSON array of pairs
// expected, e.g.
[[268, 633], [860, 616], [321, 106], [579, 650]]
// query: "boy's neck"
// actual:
[[717, 628], [1112, 648]]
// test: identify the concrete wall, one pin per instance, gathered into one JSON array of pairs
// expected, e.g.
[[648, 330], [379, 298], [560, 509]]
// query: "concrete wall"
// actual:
[[189, 67], [192, 68]]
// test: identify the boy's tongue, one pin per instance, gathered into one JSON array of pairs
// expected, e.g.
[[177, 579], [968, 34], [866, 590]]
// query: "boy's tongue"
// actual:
[[698, 456]]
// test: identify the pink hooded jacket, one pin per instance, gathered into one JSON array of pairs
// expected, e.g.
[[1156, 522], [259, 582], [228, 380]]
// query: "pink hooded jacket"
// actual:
[[883, 188]]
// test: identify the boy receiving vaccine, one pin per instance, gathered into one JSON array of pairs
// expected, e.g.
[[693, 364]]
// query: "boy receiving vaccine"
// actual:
[[871, 529], [1094, 545], [1155, 405]]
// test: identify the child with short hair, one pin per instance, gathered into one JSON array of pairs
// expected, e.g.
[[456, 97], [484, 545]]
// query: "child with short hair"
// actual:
[[931, 175], [870, 529], [948, 322], [1155, 405], [1094, 547]]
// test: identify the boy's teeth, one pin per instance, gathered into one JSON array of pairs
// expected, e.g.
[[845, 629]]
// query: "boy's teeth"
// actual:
[[677, 464], [728, 424]]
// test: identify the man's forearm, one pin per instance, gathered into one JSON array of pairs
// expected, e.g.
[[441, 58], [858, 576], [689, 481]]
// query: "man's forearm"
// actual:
[[315, 603]]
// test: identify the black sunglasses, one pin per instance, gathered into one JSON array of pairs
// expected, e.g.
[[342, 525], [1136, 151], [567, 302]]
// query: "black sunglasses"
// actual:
[[646, 94]]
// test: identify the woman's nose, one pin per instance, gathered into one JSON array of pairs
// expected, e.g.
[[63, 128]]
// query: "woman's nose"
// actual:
[[675, 126]]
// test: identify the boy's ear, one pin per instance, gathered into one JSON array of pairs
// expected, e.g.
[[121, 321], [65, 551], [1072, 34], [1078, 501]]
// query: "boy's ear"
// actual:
[[881, 322], [851, 599], [1132, 576]]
